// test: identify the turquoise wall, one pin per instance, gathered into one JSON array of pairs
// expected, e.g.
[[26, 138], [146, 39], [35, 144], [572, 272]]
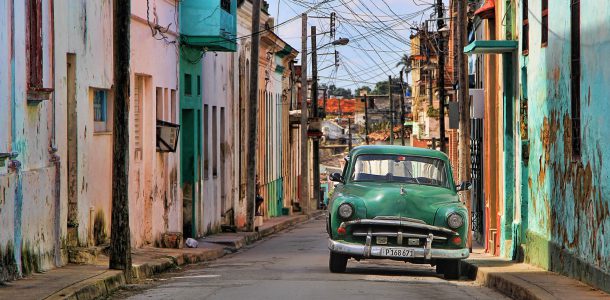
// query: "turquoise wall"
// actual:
[[568, 228]]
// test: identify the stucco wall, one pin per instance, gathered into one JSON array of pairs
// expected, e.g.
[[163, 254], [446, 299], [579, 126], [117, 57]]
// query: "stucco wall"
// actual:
[[84, 29], [30, 235], [569, 219], [154, 196], [218, 90]]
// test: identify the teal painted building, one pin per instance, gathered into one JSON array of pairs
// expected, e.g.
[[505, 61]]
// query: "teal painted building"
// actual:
[[564, 75], [208, 25], [546, 93]]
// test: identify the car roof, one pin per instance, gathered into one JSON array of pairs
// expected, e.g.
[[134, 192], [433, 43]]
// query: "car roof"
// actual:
[[400, 150]]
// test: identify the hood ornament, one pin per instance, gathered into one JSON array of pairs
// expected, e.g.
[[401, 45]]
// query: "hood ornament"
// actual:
[[403, 191]]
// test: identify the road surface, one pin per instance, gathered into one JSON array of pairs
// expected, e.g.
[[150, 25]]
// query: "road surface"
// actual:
[[293, 265]]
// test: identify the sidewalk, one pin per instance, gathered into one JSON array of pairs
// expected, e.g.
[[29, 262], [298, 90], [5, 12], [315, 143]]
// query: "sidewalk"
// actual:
[[523, 281], [92, 281]]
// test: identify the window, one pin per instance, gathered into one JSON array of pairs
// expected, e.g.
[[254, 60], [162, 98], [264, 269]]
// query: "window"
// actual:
[[525, 38], [34, 33], [100, 110], [188, 84], [206, 142], [226, 5], [137, 117], [400, 168], [160, 109], [545, 23], [214, 142], [198, 85], [575, 76], [173, 104]]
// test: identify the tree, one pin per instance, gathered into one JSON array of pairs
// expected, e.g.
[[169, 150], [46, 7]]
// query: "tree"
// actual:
[[381, 87], [366, 88], [405, 64], [335, 91]]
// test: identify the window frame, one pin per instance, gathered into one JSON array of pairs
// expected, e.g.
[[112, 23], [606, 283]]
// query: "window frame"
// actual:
[[34, 44], [188, 84], [105, 126]]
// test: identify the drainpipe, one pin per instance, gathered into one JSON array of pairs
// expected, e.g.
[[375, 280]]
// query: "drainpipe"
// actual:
[[53, 156]]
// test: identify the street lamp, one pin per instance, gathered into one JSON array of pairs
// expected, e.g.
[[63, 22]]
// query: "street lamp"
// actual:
[[338, 42]]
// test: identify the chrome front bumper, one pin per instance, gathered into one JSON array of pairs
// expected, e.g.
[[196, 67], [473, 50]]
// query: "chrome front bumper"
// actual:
[[359, 250]]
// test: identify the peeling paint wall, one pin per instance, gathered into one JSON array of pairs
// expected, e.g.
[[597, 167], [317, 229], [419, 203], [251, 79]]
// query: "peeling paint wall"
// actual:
[[83, 28], [155, 194], [30, 238], [568, 214], [219, 91]]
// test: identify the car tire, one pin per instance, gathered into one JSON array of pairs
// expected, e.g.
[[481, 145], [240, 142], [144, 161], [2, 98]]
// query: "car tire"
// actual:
[[337, 263], [451, 269]]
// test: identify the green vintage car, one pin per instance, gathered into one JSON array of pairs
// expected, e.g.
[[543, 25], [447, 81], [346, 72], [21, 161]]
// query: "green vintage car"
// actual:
[[399, 203]]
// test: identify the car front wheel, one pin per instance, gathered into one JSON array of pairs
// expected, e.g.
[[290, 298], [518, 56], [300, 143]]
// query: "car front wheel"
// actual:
[[337, 263]]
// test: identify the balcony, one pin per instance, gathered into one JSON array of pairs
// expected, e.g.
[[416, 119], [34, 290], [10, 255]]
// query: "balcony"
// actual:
[[209, 24]]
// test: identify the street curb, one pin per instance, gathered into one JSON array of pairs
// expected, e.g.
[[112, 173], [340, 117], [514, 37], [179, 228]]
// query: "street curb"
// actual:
[[104, 284], [508, 285]]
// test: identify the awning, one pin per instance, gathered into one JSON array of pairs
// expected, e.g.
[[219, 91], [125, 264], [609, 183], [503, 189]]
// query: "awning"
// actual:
[[493, 47]]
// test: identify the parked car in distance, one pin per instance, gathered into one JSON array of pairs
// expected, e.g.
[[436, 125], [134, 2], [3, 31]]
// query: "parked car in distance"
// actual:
[[400, 203]]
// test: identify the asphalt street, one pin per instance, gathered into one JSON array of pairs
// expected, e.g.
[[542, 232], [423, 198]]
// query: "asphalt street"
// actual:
[[294, 265]]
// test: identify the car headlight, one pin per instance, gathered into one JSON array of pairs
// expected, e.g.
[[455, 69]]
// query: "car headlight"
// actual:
[[455, 221], [346, 210]]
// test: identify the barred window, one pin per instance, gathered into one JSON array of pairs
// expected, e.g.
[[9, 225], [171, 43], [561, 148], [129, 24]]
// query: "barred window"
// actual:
[[575, 76]]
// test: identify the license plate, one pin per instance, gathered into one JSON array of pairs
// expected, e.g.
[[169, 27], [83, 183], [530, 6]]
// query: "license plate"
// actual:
[[396, 252]]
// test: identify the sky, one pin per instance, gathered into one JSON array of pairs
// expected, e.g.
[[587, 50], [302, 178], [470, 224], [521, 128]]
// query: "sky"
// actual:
[[378, 31]]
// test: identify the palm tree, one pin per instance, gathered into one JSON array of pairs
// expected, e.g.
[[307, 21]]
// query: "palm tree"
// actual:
[[405, 62]]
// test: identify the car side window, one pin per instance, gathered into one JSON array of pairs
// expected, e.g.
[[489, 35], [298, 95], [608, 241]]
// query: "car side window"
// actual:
[[344, 172]]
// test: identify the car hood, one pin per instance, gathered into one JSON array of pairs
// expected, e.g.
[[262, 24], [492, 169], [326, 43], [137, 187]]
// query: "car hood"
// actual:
[[414, 201]]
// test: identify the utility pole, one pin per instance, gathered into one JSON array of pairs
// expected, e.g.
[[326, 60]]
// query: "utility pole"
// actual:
[[324, 108], [252, 117], [464, 105], [391, 110], [402, 111], [304, 147], [349, 133], [366, 118], [441, 73], [120, 245], [315, 141]]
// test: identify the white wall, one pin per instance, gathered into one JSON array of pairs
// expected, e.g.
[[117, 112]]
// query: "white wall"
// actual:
[[219, 86], [29, 218]]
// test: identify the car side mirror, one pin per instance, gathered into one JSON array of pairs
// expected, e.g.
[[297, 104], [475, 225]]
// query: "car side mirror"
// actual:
[[336, 177], [464, 186]]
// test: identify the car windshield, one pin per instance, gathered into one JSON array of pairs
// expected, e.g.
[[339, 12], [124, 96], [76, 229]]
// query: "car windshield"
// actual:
[[400, 168]]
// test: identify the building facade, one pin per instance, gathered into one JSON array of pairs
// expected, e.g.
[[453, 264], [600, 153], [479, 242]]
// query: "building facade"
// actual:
[[544, 89], [32, 219]]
